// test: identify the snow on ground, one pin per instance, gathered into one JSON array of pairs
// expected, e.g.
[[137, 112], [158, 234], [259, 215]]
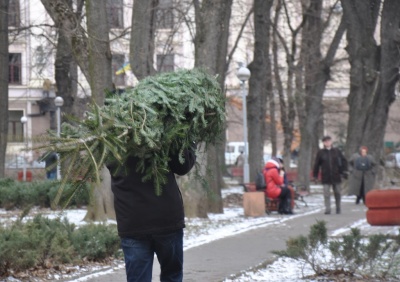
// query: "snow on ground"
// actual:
[[230, 223]]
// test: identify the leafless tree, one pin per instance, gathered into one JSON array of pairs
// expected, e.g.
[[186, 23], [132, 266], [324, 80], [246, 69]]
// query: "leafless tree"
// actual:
[[286, 98], [142, 38], [374, 70], [258, 85], [3, 83], [91, 50], [211, 41], [316, 75]]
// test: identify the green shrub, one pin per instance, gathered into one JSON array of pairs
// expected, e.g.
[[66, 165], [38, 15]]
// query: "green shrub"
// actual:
[[96, 242], [6, 182], [377, 256], [17, 251], [56, 241], [20, 195]]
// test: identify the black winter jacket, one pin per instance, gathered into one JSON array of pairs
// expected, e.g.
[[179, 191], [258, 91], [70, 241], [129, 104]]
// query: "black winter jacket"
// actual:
[[332, 163], [139, 210]]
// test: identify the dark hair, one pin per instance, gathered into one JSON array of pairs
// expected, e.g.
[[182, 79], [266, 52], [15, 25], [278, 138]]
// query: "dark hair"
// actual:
[[325, 138]]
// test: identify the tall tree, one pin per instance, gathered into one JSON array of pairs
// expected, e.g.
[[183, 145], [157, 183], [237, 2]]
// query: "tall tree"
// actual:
[[3, 83], [142, 38], [210, 53], [316, 75], [91, 50], [211, 42], [374, 70], [66, 69], [100, 80], [258, 85], [286, 99]]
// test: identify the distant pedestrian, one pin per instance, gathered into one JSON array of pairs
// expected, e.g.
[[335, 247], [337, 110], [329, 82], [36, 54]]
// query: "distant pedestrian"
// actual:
[[362, 174], [333, 165], [240, 160], [50, 159]]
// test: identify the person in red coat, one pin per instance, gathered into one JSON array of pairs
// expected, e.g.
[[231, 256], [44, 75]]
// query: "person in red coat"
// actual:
[[274, 178]]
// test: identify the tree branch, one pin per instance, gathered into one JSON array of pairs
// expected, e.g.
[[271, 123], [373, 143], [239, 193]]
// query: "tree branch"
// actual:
[[238, 38]]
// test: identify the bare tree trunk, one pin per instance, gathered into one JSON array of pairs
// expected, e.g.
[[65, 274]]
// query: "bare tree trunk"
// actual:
[[374, 72], [316, 76], [376, 121], [272, 120], [211, 40], [142, 38], [100, 79], [3, 83], [66, 71], [286, 102], [93, 55], [76, 36], [260, 76]]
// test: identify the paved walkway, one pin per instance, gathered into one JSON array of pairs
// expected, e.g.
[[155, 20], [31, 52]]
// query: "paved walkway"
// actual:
[[219, 259]]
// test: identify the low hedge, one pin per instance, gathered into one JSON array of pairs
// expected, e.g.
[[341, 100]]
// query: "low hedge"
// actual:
[[15, 194], [41, 242]]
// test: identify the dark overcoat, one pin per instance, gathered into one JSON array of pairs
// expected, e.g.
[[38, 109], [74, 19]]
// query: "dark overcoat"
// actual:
[[332, 165], [357, 176]]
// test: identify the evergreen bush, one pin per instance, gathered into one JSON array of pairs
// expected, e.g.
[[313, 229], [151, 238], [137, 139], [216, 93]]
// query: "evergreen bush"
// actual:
[[14, 194], [43, 242], [96, 242], [374, 257]]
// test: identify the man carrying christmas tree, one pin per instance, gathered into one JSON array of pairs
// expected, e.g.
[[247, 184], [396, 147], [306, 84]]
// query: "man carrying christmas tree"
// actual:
[[151, 224]]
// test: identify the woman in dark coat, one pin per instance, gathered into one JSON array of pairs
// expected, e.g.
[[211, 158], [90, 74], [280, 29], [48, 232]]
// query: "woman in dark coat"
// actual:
[[362, 174]]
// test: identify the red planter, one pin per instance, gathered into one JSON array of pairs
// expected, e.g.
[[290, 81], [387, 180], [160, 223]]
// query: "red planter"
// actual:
[[388, 216], [383, 207]]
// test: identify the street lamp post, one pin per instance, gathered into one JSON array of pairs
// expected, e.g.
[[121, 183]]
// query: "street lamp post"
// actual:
[[244, 74], [24, 120], [59, 102]]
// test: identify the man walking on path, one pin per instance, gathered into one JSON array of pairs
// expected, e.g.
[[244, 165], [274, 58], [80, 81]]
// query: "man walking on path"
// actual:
[[333, 165]]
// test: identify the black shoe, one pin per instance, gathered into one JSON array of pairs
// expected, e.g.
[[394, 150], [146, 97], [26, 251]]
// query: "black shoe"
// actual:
[[327, 212], [289, 212], [358, 200]]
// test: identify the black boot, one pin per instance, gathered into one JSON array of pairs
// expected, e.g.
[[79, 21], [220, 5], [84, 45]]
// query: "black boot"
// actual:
[[288, 206], [282, 206], [358, 200]]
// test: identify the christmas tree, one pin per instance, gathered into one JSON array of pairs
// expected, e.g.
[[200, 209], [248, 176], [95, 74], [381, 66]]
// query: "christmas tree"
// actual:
[[162, 115]]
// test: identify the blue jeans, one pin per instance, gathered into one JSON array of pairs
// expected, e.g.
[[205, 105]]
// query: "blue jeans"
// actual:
[[139, 255], [52, 174]]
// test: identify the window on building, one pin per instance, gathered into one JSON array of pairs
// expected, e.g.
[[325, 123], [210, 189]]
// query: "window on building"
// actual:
[[165, 63], [13, 13], [165, 15], [14, 68], [118, 63], [115, 13], [15, 127]]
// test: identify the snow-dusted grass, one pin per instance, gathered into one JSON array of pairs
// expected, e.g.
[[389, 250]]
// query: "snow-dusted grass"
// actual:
[[219, 226]]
